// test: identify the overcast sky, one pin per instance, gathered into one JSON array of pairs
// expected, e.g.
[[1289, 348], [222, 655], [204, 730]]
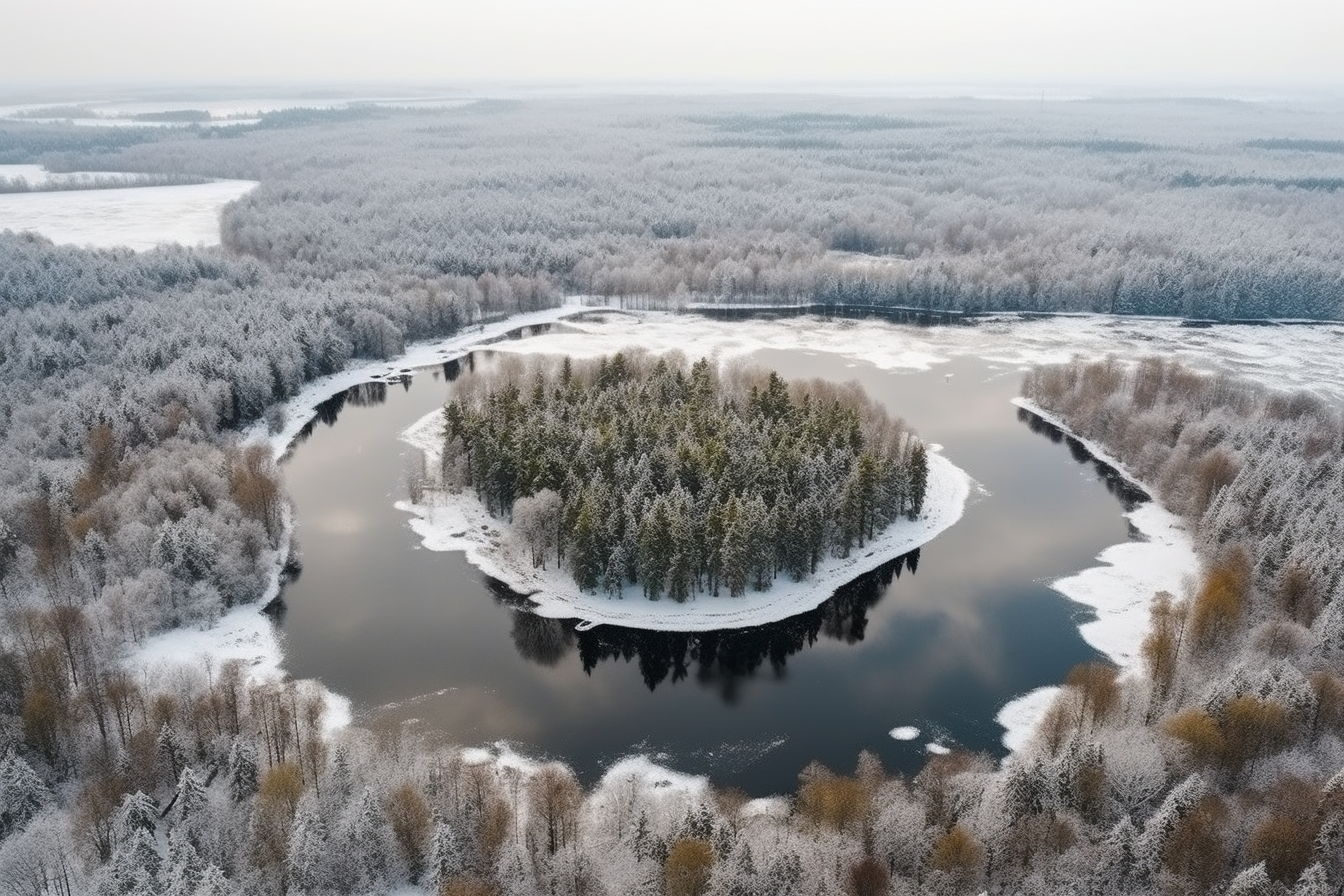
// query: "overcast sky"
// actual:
[[1046, 42]]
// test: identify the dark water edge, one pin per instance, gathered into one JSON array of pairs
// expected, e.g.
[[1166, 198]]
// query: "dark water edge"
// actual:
[[940, 638]]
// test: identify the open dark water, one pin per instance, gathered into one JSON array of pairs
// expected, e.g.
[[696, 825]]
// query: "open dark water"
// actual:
[[940, 639]]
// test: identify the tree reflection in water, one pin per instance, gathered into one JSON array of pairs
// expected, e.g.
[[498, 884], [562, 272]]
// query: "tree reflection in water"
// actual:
[[1129, 494], [722, 659]]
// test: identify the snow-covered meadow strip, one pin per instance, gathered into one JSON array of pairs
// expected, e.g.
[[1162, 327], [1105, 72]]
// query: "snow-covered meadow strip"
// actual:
[[460, 522], [1120, 591]]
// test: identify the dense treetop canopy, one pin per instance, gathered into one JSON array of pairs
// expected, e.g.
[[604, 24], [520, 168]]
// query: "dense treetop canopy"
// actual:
[[634, 470]]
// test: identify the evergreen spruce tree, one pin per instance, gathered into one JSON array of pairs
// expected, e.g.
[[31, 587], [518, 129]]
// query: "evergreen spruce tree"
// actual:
[[243, 772], [919, 479], [22, 793]]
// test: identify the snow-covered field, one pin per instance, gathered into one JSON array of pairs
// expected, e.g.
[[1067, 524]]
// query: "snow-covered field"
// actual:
[[1127, 575], [459, 522], [138, 217]]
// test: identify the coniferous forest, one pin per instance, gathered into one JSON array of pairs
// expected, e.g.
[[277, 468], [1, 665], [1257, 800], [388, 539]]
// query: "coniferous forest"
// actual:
[[646, 472]]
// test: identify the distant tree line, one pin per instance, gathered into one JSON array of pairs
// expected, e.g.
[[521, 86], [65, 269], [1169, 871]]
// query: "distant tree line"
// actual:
[[630, 470], [98, 182], [1221, 212]]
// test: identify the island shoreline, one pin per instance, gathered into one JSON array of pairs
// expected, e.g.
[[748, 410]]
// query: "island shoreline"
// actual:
[[459, 522]]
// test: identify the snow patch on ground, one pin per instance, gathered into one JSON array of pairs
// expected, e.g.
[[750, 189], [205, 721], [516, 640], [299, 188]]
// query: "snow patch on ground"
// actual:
[[503, 756], [654, 777], [776, 807], [1021, 715], [459, 522], [137, 217], [905, 732]]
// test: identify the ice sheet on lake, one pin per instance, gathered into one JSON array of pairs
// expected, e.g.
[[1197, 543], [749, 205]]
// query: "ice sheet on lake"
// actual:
[[136, 217]]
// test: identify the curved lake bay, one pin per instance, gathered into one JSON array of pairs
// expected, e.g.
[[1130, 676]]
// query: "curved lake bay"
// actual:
[[939, 639]]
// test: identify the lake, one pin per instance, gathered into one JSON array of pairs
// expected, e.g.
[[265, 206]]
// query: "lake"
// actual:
[[139, 218], [940, 639]]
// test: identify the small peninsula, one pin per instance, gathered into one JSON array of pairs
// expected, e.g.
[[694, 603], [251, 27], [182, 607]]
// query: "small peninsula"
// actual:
[[649, 492]]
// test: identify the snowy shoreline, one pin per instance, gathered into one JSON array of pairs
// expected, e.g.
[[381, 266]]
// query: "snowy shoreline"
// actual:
[[1119, 587], [459, 522], [1119, 591], [245, 632]]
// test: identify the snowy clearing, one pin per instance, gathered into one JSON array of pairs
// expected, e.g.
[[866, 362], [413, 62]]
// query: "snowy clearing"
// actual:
[[136, 217], [460, 522]]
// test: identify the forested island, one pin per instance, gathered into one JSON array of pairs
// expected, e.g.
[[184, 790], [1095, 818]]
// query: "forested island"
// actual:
[[652, 472]]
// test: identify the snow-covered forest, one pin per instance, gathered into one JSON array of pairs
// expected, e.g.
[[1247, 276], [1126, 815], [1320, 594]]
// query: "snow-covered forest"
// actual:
[[622, 470], [128, 505], [1190, 208]]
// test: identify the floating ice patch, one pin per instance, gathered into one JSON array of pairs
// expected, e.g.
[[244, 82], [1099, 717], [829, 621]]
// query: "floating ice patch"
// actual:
[[905, 732], [937, 749]]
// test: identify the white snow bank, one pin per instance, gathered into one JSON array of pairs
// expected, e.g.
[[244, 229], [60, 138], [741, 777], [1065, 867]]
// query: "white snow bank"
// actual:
[[299, 410], [1021, 715], [905, 732], [651, 776], [459, 522], [773, 807], [137, 217], [246, 633], [503, 756], [243, 633], [1119, 591]]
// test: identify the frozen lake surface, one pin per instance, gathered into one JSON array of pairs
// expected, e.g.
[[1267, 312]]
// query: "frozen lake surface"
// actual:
[[137, 217]]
